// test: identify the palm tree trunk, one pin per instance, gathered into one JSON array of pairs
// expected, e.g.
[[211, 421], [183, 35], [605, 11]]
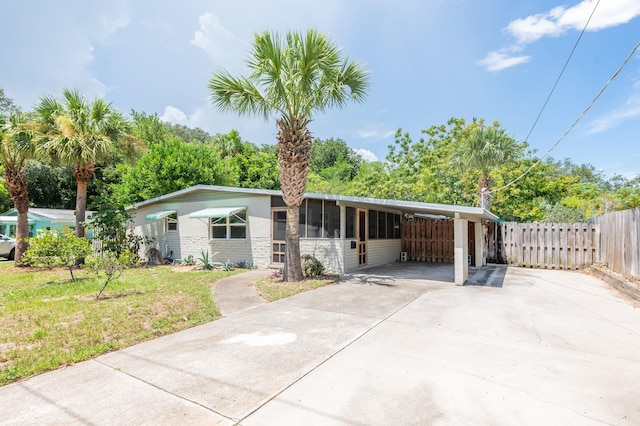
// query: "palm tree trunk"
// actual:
[[294, 154], [82, 175], [16, 182], [484, 191]]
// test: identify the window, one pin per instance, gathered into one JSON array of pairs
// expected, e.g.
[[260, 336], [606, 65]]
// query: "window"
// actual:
[[314, 219], [232, 227], [331, 220], [396, 226], [390, 225], [373, 224], [302, 221], [171, 222], [351, 222], [382, 222]]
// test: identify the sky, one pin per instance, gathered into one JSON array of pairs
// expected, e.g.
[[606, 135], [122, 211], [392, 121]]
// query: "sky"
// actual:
[[428, 61]]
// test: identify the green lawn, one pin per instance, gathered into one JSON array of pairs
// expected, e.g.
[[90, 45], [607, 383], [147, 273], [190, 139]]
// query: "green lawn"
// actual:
[[47, 321]]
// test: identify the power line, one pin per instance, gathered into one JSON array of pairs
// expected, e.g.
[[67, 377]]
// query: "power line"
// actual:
[[633, 51], [562, 71]]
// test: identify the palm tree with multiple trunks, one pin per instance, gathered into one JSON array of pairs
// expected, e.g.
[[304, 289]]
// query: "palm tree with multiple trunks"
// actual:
[[82, 134], [18, 141], [291, 78]]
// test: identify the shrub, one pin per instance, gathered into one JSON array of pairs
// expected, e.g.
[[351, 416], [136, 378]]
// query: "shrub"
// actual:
[[50, 249], [311, 267]]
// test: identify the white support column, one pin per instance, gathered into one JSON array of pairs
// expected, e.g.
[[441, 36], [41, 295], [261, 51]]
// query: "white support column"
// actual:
[[479, 238], [343, 221], [461, 250]]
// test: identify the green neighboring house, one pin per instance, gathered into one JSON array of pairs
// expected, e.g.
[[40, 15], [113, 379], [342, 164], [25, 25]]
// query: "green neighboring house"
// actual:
[[40, 219]]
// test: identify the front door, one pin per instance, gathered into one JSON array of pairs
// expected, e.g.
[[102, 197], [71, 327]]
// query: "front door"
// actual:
[[362, 237], [278, 233]]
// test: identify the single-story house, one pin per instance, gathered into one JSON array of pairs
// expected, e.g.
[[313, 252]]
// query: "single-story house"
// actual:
[[248, 225], [58, 220]]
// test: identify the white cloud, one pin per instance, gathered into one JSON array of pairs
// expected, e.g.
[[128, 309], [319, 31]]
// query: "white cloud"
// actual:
[[629, 111], [221, 44], [501, 59], [367, 155], [556, 22], [375, 131], [559, 20], [174, 115]]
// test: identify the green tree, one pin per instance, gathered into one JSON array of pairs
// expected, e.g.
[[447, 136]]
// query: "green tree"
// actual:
[[7, 106], [50, 186], [487, 148], [81, 135], [18, 140], [292, 78], [171, 166]]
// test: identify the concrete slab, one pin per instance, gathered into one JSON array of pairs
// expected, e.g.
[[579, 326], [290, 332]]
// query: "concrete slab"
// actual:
[[237, 292], [386, 347]]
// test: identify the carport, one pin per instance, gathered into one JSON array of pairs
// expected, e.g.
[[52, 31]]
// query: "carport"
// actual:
[[446, 234], [438, 233]]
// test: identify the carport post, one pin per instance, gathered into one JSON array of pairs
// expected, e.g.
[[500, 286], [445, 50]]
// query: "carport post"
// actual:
[[461, 249], [478, 229]]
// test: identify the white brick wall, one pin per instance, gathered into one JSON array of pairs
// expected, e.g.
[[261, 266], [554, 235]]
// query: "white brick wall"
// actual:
[[329, 251]]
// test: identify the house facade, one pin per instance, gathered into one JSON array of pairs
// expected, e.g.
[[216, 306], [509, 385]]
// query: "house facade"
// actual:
[[57, 220], [248, 225]]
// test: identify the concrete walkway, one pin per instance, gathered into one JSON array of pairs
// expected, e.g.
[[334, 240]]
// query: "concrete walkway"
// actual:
[[237, 292], [389, 346]]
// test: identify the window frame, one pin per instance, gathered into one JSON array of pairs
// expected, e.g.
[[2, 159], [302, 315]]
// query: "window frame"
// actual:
[[227, 224], [171, 219]]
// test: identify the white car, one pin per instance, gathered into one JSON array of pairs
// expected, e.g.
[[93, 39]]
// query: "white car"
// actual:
[[7, 247]]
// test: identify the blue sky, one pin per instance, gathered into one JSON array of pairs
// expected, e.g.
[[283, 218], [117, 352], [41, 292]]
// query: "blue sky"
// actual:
[[429, 61]]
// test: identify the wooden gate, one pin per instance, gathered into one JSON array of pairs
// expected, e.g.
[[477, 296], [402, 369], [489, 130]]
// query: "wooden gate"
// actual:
[[543, 245], [428, 240]]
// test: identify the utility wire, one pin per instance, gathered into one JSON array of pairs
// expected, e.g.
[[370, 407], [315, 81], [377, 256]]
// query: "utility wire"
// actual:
[[538, 161], [562, 71], [544, 106]]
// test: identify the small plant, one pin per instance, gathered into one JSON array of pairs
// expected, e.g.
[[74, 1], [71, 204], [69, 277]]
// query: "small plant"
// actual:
[[205, 263], [111, 264], [311, 267], [228, 266], [189, 260], [242, 265], [50, 249]]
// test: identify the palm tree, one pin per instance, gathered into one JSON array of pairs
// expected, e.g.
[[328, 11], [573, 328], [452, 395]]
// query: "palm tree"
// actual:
[[486, 149], [17, 145], [291, 78], [81, 135]]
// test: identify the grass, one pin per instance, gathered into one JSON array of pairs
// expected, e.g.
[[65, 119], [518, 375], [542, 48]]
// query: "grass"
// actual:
[[272, 289], [47, 321]]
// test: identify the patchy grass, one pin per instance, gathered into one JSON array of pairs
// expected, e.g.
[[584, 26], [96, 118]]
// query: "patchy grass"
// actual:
[[47, 321], [272, 288]]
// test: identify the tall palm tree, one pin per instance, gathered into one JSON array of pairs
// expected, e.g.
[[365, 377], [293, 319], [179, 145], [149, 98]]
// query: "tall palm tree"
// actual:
[[81, 135], [291, 78], [486, 149], [18, 138]]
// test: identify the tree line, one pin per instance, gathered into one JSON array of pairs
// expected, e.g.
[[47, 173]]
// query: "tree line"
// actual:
[[70, 152]]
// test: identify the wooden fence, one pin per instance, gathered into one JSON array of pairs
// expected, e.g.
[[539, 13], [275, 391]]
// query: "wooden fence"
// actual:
[[620, 241], [543, 245], [428, 240]]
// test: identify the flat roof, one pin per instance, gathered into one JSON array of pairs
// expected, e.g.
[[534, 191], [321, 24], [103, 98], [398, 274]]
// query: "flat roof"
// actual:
[[409, 207]]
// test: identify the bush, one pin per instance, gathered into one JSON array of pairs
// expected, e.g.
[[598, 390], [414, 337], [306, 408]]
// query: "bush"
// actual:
[[311, 267], [50, 249]]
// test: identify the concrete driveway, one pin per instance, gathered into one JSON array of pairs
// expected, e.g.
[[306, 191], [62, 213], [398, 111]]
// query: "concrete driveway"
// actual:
[[390, 346]]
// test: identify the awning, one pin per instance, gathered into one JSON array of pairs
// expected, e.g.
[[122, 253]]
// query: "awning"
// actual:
[[217, 212], [160, 215]]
